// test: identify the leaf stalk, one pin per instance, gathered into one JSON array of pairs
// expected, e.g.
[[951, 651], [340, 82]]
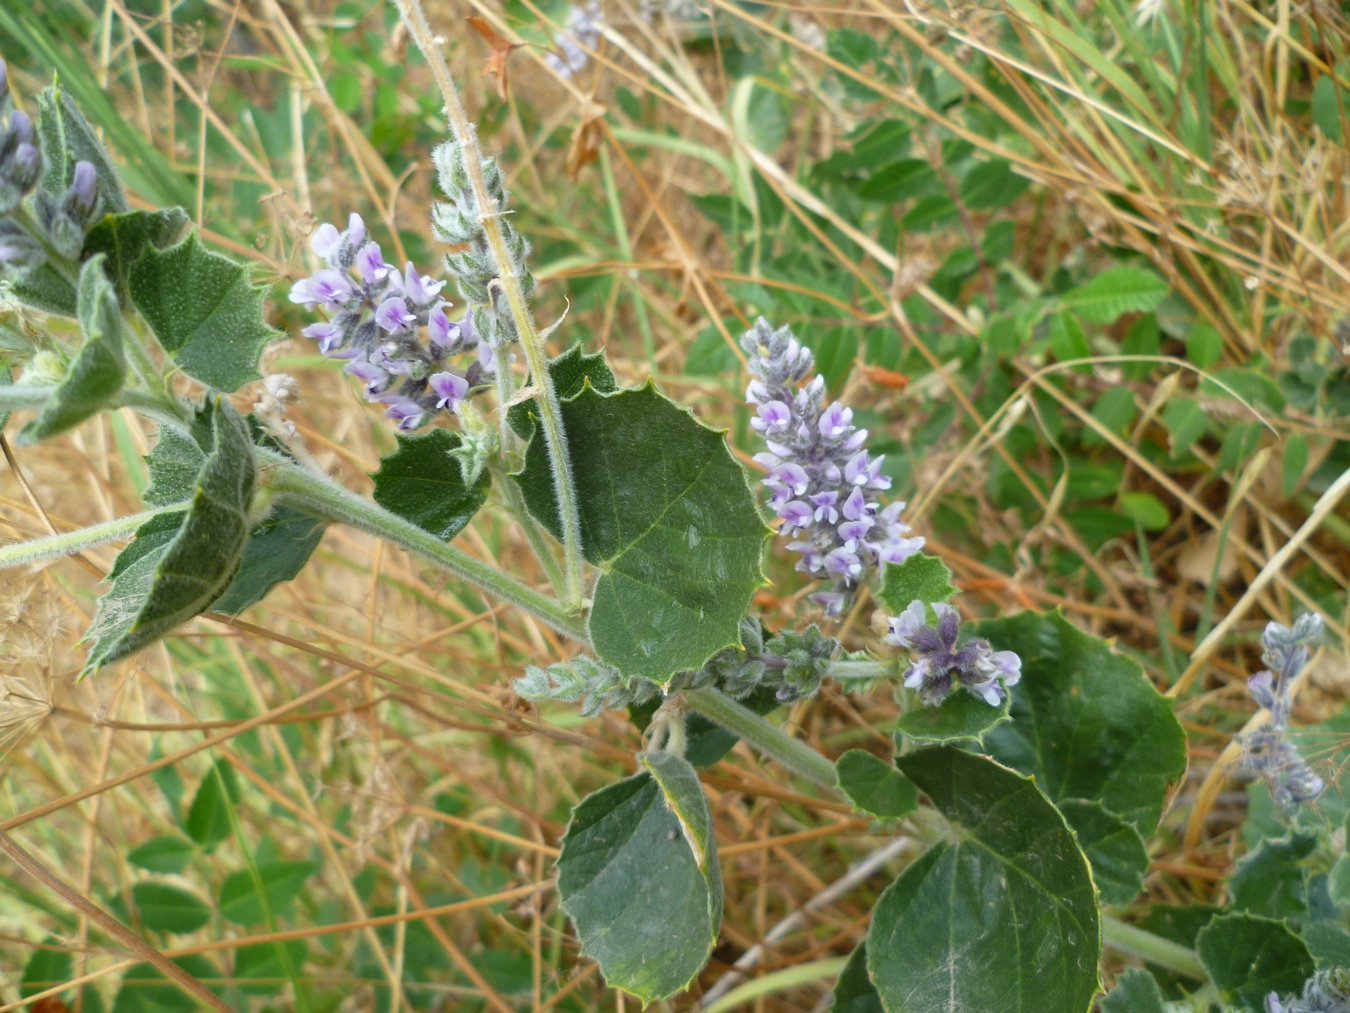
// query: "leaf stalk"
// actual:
[[773, 742]]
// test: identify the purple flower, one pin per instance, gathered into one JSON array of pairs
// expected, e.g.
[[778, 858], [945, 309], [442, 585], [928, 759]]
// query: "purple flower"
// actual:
[[375, 378], [326, 287], [1268, 752], [325, 240], [328, 334], [795, 514], [21, 126], [394, 317], [419, 290], [403, 410], [84, 187], [356, 229], [939, 663], [449, 389], [370, 264], [816, 458]]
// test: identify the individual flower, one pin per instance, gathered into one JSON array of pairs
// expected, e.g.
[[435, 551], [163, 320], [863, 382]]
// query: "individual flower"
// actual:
[[821, 480], [941, 663], [65, 219], [1268, 752], [20, 160]]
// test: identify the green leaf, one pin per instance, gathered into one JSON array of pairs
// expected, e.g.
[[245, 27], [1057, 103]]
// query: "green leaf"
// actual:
[[961, 716], [181, 576], [282, 882], [1086, 720], [1003, 917], [1136, 991], [1115, 292], [854, 991], [67, 137], [668, 517], [46, 289], [146, 990], [899, 181], [45, 968], [1204, 345], [1146, 510], [1186, 422], [1326, 107], [570, 372], [875, 786], [163, 854], [1272, 880], [930, 213], [1295, 462], [1248, 957], [422, 483], [96, 373], [919, 578], [1068, 341], [166, 908], [1114, 849], [203, 310], [262, 969], [1329, 944], [208, 818], [638, 876], [992, 185], [173, 465], [278, 549], [124, 237]]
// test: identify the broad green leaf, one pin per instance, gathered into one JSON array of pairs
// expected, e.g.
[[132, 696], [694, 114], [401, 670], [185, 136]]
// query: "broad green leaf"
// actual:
[[165, 908], [1204, 345], [570, 371], [1000, 919], [422, 483], [992, 185], [854, 991], [49, 965], [1114, 849], [1114, 292], [240, 901], [163, 854], [262, 969], [919, 578], [899, 181], [96, 373], [203, 310], [67, 137], [208, 818], [1272, 879], [1136, 991], [170, 583], [1328, 943], [668, 518], [961, 716], [146, 990], [1068, 341], [1146, 510], [124, 237], [875, 786], [1086, 720], [932, 212], [278, 549], [1248, 957], [638, 876]]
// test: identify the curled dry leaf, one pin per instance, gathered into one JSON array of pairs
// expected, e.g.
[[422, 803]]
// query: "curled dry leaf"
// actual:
[[495, 66]]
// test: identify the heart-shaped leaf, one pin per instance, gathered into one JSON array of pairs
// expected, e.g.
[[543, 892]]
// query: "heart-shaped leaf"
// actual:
[[421, 482], [668, 517], [1272, 880], [1248, 957], [203, 310], [96, 373], [1001, 919], [919, 578], [638, 876], [1086, 720], [190, 557]]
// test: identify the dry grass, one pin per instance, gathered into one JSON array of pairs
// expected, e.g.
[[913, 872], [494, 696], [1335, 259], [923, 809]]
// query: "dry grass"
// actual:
[[405, 679]]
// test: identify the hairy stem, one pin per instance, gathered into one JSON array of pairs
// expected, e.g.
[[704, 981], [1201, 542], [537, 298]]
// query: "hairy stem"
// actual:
[[1127, 938], [543, 551], [773, 742], [533, 346], [863, 669], [71, 542], [321, 497], [163, 408]]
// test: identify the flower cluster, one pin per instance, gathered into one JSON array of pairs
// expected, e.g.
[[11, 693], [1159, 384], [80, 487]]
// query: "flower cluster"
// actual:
[[1267, 752], [939, 663], [1327, 991], [821, 481], [378, 316], [62, 213], [584, 25]]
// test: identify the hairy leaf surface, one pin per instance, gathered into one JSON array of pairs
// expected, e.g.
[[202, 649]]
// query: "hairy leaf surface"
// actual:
[[203, 310], [669, 519], [570, 372], [638, 876], [1136, 991], [875, 786], [919, 578], [1086, 720], [122, 238], [1114, 849], [68, 137], [1002, 919], [422, 483], [99, 368], [961, 716], [1248, 957]]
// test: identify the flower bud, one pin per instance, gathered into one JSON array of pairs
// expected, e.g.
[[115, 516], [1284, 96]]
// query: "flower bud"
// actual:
[[84, 188], [21, 127]]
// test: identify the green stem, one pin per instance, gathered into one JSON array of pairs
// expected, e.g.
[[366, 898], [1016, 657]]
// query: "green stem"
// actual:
[[778, 981], [1127, 938], [543, 551], [20, 553], [564, 486], [323, 498], [864, 669], [164, 408], [773, 742], [20, 397]]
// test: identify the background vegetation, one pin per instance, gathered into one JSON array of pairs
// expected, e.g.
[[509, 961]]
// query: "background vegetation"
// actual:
[[1080, 268]]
